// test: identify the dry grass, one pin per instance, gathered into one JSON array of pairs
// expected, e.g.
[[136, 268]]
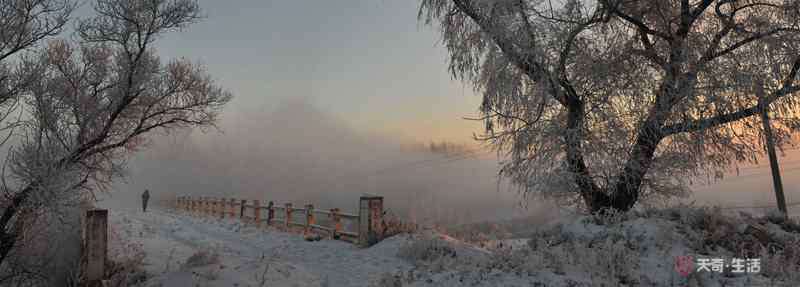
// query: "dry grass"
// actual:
[[630, 249], [393, 225], [424, 251], [125, 264]]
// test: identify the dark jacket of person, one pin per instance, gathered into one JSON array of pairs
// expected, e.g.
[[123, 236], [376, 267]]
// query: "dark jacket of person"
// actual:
[[145, 198]]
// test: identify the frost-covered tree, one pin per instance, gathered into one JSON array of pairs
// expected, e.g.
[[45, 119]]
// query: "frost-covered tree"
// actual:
[[94, 101], [605, 102]]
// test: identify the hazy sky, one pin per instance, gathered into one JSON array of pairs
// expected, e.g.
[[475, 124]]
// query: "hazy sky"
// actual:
[[369, 62]]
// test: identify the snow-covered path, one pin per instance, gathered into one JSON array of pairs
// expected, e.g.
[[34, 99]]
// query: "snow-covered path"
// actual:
[[247, 256]]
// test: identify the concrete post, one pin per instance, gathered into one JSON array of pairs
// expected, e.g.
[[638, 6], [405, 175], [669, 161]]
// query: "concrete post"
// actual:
[[233, 208], [257, 212], [288, 215], [212, 206], [309, 218], [95, 245], [219, 207], [270, 213], [222, 207], [370, 219], [337, 223]]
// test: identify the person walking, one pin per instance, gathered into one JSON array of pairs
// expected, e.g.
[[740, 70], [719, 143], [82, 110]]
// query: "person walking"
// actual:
[[145, 198]]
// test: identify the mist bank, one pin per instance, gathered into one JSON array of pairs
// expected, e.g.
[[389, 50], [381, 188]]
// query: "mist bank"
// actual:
[[298, 153]]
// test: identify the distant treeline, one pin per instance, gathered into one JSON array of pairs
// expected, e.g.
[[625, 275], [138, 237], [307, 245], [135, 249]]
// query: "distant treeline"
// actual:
[[442, 147]]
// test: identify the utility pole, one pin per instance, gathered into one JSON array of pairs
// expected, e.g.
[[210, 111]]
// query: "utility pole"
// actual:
[[773, 158]]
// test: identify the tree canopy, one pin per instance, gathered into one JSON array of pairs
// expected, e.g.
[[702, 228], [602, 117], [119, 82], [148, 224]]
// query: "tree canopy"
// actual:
[[88, 102], [604, 102]]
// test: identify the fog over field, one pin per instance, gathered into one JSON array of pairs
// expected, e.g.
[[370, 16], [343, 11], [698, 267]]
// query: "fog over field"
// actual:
[[296, 152], [752, 186]]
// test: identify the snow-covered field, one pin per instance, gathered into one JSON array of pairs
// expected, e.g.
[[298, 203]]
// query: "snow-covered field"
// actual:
[[180, 250], [236, 255]]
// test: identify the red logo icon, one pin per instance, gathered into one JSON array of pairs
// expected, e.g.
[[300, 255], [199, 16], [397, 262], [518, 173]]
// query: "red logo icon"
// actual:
[[684, 265]]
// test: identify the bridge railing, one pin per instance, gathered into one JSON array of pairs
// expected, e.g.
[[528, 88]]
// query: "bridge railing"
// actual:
[[363, 228]]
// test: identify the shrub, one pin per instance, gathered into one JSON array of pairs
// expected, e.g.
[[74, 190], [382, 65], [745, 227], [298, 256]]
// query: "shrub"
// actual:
[[392, 225], [125, 264], [421, 251], [202, 258]]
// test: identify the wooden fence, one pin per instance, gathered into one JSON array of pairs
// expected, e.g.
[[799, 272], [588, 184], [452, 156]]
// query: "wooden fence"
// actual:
[[364, 228]]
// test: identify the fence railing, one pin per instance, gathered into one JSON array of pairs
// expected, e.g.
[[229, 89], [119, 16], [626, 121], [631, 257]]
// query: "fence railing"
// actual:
[[363, 228]]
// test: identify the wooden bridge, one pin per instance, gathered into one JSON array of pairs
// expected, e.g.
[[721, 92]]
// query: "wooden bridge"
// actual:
[[363, 228]]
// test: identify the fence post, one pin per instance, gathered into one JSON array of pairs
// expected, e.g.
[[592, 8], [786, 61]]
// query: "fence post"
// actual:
[[219, 204], [95, 244], [222, 208], [270, 213], [288, 214], [214, 206], [257, 212], [210, 203], [309, 218], [232, 209], [213, 202], [225, 207], [370, 219], [337, 220]]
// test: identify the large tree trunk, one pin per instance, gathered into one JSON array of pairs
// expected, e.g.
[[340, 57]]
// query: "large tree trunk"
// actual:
[[594, 198], [628, 186], [624, 193]]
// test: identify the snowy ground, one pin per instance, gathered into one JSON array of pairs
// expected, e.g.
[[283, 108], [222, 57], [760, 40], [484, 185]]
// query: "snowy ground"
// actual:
[[180, 250], [246, 256]]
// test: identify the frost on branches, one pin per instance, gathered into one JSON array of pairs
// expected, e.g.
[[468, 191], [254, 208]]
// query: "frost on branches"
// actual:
[[602, 103], [95, 98]]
